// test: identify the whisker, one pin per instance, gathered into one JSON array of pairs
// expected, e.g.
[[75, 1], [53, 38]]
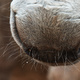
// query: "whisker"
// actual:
[[74, 66], [4, 4]]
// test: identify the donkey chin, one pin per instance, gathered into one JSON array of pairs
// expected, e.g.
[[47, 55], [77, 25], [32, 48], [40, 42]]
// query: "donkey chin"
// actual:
[[47, 31]]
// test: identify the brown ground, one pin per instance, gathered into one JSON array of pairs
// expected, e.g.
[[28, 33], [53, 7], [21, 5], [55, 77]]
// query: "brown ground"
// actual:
[[15, 67]]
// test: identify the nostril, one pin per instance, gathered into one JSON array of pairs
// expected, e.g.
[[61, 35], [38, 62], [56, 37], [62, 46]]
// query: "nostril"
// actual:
[[49, 56]]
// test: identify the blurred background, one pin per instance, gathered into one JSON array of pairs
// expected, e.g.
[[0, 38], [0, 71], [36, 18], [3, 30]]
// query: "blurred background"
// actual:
[[6, 41], [4, 22], [4, 33]]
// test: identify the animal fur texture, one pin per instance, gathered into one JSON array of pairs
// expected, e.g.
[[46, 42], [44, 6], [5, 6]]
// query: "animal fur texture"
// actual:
[[50, 26], [15, 66], [46, 23]]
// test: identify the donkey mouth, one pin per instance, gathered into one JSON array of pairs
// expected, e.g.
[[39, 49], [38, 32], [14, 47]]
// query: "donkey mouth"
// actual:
[[53, 56]]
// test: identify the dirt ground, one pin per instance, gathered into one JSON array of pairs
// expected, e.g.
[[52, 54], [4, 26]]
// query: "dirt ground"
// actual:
[[14, 66]]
